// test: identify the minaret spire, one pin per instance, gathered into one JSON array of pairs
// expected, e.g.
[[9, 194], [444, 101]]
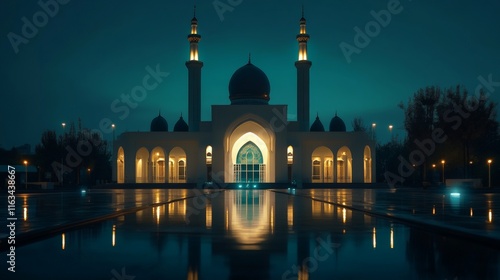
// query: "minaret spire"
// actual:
[[302, 38], [194, 38], [194, 77], [303, 66]]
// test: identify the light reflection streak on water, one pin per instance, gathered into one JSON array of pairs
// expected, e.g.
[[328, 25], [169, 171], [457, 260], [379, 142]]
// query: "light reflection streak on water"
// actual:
[[113, 236], [208, 215], [374, 238], [392, 238]]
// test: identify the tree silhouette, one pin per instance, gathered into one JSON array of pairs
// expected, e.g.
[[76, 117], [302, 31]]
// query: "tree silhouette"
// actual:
[[467, 121], [74, 153]]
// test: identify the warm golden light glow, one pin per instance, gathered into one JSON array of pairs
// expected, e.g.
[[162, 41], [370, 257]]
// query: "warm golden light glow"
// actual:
[[194, 29], [392, 238], [113, 236], [303, 273], [471, 212], [63, 241], [192, 274], [158, 214], [374, 238], [289, 154], [194, 54], [302, 54], [433, 166], [25, 213], [290, 214], [490, 161], [490, 216], [344, 215], [443, 161], [434, 210], [208, 215]]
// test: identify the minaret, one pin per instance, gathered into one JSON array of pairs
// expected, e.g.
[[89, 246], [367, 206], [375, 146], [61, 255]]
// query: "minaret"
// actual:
[[194, 77], [303, 65]]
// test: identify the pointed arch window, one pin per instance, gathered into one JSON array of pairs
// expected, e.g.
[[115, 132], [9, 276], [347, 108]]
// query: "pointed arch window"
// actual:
[[249, 165]]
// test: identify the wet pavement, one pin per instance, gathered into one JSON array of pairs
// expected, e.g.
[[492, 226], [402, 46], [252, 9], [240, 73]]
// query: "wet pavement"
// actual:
[[465, 213], [260, 234]]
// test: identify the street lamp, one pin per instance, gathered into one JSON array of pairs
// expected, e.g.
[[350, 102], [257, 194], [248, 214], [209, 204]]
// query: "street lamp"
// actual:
[[373, 130], [489, 172], [62, 154], [443, 162], [390, 130], [88, 176], [26, 168], [113, 142]]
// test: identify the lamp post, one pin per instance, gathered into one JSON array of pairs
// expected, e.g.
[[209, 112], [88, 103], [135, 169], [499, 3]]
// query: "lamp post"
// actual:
[[62, 154], [113, 126], [88, 176], [390, 130], [489, 172], [26, 169], [443, 162], [373, 130]]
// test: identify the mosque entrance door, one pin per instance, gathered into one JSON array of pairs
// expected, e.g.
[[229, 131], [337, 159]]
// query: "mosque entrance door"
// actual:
[[249, 167]]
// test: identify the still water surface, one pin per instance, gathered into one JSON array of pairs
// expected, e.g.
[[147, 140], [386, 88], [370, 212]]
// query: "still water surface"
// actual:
[[253, 234]]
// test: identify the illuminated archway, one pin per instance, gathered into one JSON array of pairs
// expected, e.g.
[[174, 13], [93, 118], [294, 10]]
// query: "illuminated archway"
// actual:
[[240, 135], [120, 166], [322, 165], [141, 165], [158, 168], [177, 172], [367, 165], [344, 165]]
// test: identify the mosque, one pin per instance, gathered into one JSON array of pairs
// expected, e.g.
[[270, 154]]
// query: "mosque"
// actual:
[[249, 141]]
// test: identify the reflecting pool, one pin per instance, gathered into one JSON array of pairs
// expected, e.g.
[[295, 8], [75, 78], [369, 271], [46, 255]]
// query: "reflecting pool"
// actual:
[[253, 234]]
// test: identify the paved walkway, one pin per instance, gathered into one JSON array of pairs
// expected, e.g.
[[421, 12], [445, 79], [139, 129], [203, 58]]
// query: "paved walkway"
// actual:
[[473, 214], [41, 214]]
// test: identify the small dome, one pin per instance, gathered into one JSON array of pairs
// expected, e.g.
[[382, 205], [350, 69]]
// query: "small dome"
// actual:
[[337, 124], [317, 126], [159, 124], [181, 125], [249, 85]]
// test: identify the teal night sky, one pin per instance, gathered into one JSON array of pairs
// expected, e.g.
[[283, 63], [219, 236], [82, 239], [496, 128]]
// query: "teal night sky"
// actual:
[[91, 52]]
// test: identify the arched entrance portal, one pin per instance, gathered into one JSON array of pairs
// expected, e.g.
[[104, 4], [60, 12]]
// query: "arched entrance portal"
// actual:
[[249, 167], [249, 151]]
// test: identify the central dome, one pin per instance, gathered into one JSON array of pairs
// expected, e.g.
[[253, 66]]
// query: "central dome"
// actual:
[[249, 85]]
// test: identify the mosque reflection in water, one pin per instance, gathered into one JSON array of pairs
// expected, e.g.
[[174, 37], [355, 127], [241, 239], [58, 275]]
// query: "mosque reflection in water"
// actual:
[[255, 234]]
